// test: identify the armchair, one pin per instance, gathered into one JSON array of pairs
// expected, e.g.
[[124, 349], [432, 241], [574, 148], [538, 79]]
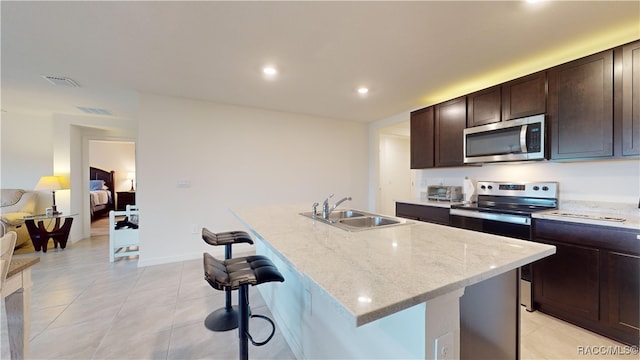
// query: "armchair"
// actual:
[[15, 204]]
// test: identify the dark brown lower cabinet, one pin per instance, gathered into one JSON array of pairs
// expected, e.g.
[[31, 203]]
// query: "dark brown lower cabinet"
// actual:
[[622, 291], [567, 283], [432, 214], [593, 280]]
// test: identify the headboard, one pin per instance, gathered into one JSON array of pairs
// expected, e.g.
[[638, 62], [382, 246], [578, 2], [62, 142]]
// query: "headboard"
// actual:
[[107, 176]]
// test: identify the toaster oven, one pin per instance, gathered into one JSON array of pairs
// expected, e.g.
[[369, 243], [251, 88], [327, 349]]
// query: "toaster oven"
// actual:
[[444, 193]]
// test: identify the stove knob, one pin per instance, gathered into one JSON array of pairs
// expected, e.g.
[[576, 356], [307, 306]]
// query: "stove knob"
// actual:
[[545, 188], [483, 187], [536, 188], [490, 187]]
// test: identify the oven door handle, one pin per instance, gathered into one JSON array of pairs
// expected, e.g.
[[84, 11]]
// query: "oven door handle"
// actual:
[[514, 219]]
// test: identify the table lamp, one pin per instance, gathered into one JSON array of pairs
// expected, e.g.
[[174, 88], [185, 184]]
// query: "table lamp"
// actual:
[[51, 183], [131, 176]]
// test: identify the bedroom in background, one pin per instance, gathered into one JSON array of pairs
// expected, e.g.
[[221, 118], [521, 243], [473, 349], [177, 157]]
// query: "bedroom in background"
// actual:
[[119, 157]]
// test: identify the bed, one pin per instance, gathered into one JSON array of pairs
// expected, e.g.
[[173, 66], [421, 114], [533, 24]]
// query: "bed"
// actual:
[[101, 192]]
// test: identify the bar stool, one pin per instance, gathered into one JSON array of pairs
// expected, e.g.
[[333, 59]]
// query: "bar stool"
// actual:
[[239, 273], [225, 318]]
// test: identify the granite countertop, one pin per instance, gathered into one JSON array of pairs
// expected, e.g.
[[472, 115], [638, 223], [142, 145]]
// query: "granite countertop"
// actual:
[[426, 202], [618, 215], [392, 268]]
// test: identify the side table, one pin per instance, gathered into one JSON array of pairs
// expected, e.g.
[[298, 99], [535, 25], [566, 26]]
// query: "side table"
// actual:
[[40, 235], [16, 292], [125, 198]]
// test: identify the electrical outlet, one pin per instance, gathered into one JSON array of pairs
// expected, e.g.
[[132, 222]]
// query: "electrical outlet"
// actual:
[[444, 347]]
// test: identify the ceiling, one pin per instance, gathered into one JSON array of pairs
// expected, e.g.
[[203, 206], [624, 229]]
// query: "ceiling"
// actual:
[[409, 54]]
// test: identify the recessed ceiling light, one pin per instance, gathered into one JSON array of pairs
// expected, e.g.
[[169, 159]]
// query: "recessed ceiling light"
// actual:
[[363, 90], [269, 71]]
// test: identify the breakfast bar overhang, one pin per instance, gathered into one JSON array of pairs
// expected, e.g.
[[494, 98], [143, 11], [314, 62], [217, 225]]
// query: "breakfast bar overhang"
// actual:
[[416, 290]]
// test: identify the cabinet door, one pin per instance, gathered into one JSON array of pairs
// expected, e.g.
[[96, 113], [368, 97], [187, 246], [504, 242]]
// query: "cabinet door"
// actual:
[[581, 108], [631, 99], [432, 214], [525, 96], [483, 107], [450, 122], [422, 139], [623, 290], [566, 284]]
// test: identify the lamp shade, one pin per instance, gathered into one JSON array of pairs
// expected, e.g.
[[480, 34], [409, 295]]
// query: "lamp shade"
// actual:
[[49, 183], [131, 175]]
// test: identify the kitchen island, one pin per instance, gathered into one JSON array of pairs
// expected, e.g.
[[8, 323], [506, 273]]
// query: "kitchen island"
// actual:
[[394, 292]]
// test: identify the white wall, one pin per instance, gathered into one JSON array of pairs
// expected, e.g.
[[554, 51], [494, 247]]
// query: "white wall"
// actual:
[[395, 173], [26, 152], [231, 157]]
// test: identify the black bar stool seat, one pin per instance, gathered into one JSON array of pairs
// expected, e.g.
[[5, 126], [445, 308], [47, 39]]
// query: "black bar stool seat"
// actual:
[[247, 270], [239, 273], [225, 318]]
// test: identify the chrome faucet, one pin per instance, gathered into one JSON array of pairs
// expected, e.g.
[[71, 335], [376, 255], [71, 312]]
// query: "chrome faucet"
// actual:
[[326, 210], [339, 202], [314, 209], [325, 207]]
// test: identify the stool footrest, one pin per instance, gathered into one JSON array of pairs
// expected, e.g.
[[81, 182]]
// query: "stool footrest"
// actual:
[[273, 331]]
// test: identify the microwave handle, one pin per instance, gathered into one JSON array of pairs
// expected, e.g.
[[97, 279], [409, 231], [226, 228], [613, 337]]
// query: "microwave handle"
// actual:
[[523, 138]]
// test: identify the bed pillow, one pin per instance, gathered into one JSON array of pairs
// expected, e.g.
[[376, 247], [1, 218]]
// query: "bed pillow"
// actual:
[[96, 185]]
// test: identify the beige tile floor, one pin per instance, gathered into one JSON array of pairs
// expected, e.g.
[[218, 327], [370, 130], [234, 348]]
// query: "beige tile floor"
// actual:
[[84, 307]]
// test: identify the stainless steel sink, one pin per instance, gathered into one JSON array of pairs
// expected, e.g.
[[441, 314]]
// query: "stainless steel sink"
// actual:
[[368, 221], [356, 220], [345, 214]]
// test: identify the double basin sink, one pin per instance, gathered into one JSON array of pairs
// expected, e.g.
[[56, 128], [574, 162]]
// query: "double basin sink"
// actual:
[[356, 220]]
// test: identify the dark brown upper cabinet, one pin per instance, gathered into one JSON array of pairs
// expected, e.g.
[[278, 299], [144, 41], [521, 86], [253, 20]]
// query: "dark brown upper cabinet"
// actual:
[[525, 96], [483, 107], [450, 122], [627, 97], [422, 138], [581, 108]]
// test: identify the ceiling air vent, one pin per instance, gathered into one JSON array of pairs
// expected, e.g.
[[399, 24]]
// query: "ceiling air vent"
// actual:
[[94, 111], [61, 81]]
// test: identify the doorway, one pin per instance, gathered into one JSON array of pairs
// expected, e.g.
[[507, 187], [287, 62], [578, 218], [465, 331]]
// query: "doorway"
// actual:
[[117, 156], [394, 167]]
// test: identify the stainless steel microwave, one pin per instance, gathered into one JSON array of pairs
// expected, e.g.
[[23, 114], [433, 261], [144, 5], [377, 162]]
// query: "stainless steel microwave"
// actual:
[[512, 140]]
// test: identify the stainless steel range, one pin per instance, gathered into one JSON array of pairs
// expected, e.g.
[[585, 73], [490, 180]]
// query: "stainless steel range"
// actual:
[[505, 208]]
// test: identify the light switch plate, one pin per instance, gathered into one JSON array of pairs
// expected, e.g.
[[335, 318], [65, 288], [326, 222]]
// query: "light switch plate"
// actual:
[[183, 184]]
